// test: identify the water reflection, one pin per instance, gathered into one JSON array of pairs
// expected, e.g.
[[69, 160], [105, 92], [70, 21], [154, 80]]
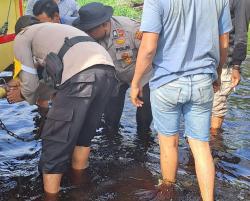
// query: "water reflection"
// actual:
[[125, 166]]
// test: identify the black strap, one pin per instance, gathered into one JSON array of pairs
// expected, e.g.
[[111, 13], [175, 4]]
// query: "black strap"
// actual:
[[69, 42]]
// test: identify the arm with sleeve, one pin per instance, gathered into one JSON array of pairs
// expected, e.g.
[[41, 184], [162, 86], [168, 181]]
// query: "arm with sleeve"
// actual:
[[136, 34], [28, 75], [225, 23], [242, 13], [75, 9], [68, 11], [151, 17]]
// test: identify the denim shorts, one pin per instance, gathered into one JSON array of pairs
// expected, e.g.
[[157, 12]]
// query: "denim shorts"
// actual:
[[190, 96]]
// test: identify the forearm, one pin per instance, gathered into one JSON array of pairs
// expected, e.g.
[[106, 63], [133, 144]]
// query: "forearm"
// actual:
[[224, 41], [143, 65], [145, 56], [29, 85]]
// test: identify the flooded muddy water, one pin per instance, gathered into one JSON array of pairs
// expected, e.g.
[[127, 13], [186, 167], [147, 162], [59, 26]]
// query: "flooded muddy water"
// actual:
[[125, 166]]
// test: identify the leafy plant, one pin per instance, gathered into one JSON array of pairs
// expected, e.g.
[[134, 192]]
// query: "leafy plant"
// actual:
[[121, 7]]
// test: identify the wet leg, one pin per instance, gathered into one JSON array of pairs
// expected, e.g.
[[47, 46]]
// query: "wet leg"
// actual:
[[204, 166], [80, 157], [216, 123], [169, 156], [51, 183]]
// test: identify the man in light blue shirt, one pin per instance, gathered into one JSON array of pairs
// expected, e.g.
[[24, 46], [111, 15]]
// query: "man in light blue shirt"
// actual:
[[185, 41], [68, 9]]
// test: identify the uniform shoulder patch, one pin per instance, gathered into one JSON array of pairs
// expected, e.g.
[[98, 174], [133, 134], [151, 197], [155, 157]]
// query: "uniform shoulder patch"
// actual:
[[138, 35]]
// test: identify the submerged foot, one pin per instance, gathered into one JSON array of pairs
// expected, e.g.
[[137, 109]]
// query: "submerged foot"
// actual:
[[162, 192]]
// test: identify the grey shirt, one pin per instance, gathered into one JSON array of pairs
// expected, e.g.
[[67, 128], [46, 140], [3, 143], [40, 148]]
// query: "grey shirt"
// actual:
[[122, 44], [240, 14], [32, 45]]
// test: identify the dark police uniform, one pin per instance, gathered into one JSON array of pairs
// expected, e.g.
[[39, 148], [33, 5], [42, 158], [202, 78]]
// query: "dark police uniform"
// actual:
[[87, 82], [122, 45]]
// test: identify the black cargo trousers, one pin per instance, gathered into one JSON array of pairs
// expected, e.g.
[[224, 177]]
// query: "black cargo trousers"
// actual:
[[114, 109], [74, 116]]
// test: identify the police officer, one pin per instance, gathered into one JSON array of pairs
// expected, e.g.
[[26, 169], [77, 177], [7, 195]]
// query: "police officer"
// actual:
[[121, 37], [84, 79]]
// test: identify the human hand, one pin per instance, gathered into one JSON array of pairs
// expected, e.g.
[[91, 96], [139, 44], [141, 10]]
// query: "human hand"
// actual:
[[14, 94], [14, 83], [235, 78], [216, 85], [135, 94]]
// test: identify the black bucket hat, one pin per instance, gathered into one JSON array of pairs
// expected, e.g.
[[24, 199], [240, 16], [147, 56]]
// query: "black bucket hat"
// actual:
[[92, 15], [25, 21]]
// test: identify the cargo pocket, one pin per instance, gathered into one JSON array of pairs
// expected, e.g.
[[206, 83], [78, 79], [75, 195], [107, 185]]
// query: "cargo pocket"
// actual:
[[81, 85], [57, 125]]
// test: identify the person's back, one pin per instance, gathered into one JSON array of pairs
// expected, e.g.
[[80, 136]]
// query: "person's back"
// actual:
[[42, 45], [189, 37], [88, 80], [187, 41], [79, 57]]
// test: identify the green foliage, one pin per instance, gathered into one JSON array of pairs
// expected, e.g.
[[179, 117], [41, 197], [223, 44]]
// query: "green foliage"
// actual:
[[121, 7]]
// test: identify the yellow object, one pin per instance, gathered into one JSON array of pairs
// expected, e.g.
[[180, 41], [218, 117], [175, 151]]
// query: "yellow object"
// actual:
[[17, 68], [3, 92], [14, 11], [120, 41]]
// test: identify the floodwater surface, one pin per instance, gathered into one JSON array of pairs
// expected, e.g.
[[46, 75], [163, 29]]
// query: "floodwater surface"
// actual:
[[125, 166]]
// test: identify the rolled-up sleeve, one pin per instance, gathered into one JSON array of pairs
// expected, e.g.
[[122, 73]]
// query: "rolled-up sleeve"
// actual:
[[151, 16]]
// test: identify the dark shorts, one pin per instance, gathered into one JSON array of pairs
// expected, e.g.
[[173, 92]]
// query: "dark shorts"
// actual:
[[74, 116]]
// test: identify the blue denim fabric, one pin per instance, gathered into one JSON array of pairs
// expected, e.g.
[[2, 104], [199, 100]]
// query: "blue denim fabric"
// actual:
[[190, 96]]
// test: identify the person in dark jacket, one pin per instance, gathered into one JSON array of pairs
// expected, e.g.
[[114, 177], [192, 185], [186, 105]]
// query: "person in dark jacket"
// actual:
[[230, 77]]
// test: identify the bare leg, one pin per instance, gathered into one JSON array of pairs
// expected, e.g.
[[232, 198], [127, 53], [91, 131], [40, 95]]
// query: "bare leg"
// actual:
[[204, 166], [80, 157], [216, 123], [169, 156], [51, 183]]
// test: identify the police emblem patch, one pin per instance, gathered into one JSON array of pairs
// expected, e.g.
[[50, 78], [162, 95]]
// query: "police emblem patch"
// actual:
[[115, 34]]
